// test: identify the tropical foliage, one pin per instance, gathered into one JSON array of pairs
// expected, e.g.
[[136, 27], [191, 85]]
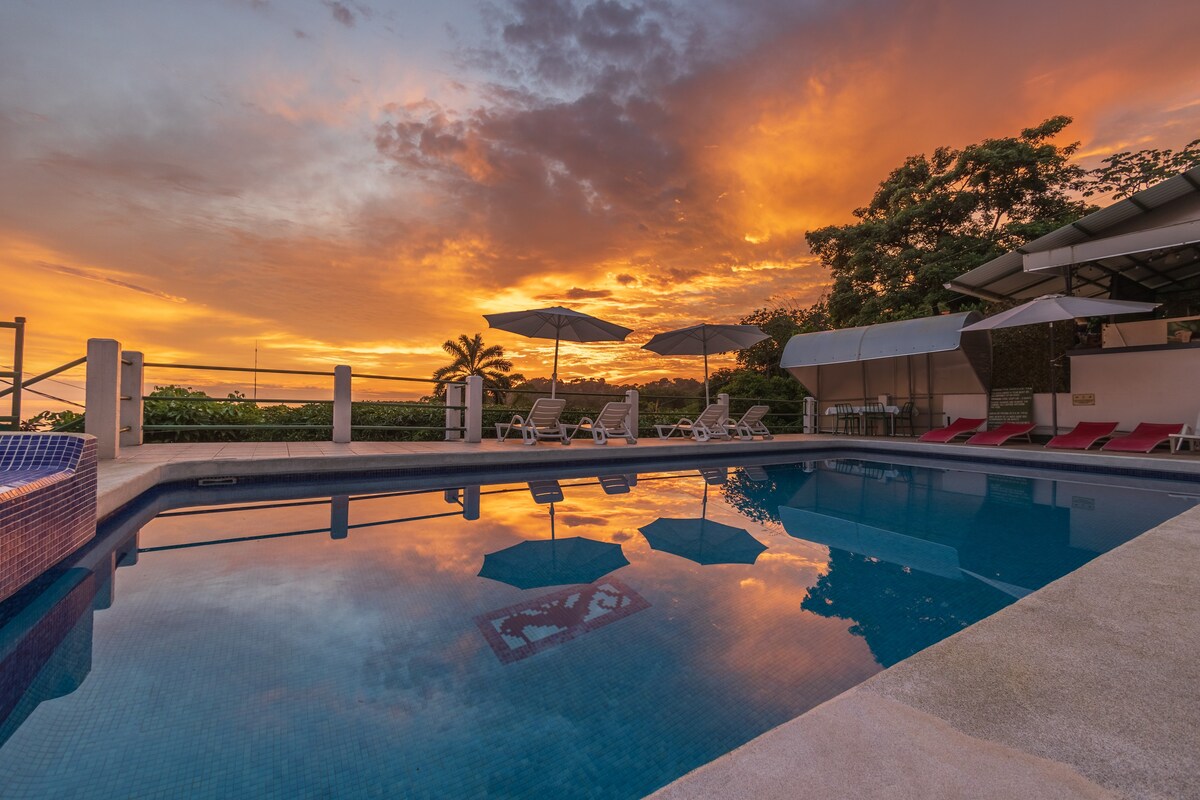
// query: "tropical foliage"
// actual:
[[935, 217], [472, 357], [1125, 173]]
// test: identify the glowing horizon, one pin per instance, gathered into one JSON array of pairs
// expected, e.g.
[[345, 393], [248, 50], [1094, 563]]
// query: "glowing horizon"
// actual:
[[345, 182]]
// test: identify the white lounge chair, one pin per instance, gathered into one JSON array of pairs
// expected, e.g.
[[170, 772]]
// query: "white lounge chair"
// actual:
[[1190, 435], [542, 422], [709, 425], [751, 424], [613, 420]]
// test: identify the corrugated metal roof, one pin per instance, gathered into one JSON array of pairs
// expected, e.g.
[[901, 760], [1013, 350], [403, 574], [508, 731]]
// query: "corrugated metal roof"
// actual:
[[1005, 277], [886, 340]]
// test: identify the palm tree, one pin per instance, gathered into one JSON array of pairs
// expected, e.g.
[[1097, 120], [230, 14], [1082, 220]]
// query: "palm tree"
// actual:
[[471, 357]]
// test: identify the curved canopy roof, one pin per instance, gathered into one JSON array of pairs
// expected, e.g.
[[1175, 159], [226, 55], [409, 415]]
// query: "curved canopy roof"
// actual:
[[908, 337], [1148, 239]]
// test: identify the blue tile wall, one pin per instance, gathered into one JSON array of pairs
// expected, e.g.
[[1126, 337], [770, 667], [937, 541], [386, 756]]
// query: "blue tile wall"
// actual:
[[47, 503]]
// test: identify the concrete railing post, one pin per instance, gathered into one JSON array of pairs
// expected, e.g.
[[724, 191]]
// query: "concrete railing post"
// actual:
[[631, 397], [470, 502], [132, 390], [810, 415], [723, 400], [341, 404], [103, 396], [339, 516], [474, 404], [454, 416]]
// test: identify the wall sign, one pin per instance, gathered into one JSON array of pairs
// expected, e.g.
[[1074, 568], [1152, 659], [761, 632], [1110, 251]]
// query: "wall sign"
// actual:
[[1083, 399], [1010, 405]]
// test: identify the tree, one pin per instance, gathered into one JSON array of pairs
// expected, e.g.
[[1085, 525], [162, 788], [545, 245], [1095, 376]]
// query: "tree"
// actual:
[[781, 323], [936, 217], [1126, 173], [471, 357]]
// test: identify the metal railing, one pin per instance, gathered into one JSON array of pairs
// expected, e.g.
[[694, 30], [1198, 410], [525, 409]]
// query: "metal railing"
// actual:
[[313, 414]]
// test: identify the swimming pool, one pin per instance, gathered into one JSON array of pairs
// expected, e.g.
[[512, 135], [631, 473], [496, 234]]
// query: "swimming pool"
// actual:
[[348, 646]]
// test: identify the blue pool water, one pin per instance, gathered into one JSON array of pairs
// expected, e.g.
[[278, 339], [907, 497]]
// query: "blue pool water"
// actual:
[[299, 642]]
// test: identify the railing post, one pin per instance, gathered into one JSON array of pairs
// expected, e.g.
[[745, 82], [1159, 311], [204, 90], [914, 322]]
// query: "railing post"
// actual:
[[723, 400], [132, 390], [341, 404], [339, 516], [631, 397], [474, 404], [810, 415], [454, 416], [103, 396], [470, 501]]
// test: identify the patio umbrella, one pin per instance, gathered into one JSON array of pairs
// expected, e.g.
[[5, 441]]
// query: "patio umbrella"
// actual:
[[704, 339], [559, 324], [702, 540], [1053, 308], [552, 562]]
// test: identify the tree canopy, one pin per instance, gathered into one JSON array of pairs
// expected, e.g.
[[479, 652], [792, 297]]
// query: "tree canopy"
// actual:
[[935, 217], [1126, 173], [472, 357]]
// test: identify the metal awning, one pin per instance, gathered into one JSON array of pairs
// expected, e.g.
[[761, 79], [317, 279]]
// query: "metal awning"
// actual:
[[1148, 239], [904, 359], [908, 337]]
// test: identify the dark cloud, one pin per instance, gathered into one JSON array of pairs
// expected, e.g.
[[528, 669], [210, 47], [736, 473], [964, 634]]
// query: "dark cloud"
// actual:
[[576, 293], [341, 12], [91, 275], [625, 279]]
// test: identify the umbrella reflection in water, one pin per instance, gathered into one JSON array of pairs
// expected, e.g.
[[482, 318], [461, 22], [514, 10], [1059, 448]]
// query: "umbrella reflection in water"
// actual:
[[552, 562], [702, 540]]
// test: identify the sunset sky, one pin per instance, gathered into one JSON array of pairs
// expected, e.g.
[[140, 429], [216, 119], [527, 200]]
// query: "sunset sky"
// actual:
[[349, 182]]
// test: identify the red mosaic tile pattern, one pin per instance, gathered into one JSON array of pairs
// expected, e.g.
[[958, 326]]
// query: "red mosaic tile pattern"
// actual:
[[47, 505], [535, 625]]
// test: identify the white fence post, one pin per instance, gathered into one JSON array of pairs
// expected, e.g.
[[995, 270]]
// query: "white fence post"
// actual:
[[132, 389], [339, 516], [341, 404], [631, 397], [470, 500], [723, 400], [454, 416], [810, 415], [103, 396], [474, 423]]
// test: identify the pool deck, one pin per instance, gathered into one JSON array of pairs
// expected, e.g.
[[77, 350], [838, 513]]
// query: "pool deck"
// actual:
[[1086, 688]]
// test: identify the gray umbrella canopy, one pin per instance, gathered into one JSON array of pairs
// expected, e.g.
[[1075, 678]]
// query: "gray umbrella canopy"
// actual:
[[1057, 307], [702, 540], [704, 339], [559, 324], [1052, 308]]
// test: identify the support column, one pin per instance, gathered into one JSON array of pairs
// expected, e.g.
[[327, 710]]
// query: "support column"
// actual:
[[132, 390], [470, 501], [103, 396], [454, 416], [631, 397], [474, 421], [339, 516], [341, 404]]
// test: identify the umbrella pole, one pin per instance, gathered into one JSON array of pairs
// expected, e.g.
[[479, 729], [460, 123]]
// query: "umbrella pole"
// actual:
[[1053, 386], [706, 401], [554, 374]]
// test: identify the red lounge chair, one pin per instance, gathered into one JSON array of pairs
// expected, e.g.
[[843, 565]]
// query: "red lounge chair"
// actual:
[[1002, 434], [1083, 436], [960, 427], [1144, 438]]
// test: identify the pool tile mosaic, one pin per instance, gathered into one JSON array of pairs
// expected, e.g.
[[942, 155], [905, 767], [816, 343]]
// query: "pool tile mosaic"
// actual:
[[47, 503]]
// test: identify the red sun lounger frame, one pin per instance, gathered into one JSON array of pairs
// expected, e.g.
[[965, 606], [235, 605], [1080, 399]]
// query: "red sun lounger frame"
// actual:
[[1144, 438], [960, 427], [1082, 436], [1002, 434]]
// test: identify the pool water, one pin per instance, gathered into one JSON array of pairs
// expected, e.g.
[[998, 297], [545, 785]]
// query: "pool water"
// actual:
[[348, 645]]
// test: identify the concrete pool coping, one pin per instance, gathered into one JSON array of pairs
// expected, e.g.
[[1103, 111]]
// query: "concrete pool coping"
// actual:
[[1085, 688]]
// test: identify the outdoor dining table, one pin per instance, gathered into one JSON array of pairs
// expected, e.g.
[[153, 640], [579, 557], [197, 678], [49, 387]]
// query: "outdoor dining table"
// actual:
[[891, 411]]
